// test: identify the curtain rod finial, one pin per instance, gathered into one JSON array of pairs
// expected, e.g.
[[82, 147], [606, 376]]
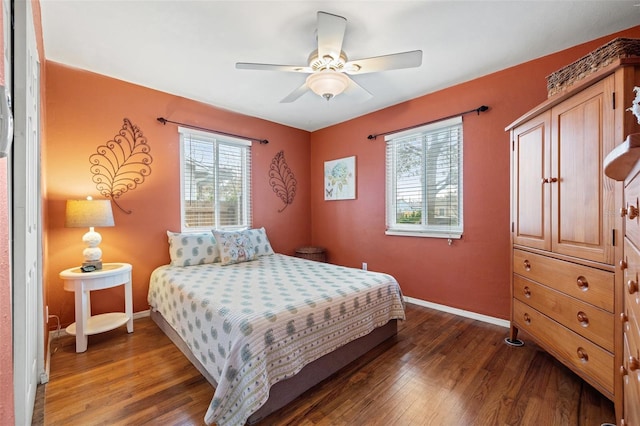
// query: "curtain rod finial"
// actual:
[[370, 137], [483, 108], [162, 120]]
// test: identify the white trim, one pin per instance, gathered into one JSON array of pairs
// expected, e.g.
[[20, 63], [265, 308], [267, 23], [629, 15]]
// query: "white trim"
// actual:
[[141, 314], [467, 314], [426, 234], [44, 376]]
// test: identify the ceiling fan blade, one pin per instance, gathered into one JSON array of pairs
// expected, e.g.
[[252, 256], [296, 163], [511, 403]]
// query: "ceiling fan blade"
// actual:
[[330, 34], [357, 92], [295, 94], [394, 61], [272, 67]]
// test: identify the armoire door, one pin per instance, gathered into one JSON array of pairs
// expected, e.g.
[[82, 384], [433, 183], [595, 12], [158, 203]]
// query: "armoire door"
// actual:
[[582, 196], [530, 186]]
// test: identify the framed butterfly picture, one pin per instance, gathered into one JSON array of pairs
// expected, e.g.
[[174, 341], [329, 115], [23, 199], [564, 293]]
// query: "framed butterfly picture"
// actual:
[[340, 179]]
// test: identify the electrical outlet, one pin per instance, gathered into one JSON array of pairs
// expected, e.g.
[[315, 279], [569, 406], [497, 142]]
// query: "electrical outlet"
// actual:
[[364, 266]]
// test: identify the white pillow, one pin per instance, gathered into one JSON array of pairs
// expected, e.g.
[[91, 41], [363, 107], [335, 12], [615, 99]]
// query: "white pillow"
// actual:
[[261, 244], [187, 249], [234, 247]]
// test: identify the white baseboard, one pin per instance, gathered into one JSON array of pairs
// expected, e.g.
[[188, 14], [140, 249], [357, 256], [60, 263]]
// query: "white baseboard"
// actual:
[[141, 314], [44, 375], [460, 312]]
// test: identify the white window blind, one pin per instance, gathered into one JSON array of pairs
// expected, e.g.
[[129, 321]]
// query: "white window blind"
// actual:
[[216, 181], [424, 181]]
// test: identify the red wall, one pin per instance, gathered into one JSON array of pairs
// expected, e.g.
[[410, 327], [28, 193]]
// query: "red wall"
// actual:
[[85, 110], [473, 273]]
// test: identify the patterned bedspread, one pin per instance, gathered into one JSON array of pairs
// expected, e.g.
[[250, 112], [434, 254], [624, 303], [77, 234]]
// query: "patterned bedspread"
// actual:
[[256, 323]]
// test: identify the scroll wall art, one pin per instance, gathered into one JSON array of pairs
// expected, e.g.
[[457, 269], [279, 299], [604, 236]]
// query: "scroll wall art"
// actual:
[[122, 163], [282, 180]]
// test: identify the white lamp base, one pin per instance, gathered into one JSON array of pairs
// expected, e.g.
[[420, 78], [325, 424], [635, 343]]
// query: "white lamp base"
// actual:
[[92, 254]]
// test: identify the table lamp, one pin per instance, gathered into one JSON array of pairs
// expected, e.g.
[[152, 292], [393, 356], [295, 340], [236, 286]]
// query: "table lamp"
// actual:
[[90, 213]]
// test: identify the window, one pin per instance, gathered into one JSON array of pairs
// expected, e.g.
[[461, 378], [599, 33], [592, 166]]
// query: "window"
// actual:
[[216, 181], [424, 180]]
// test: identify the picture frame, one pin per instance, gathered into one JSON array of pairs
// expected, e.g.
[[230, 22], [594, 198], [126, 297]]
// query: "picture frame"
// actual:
[[340, 179]]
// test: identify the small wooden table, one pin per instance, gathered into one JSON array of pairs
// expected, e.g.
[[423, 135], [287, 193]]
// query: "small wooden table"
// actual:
[[312, 253], [82, 283]]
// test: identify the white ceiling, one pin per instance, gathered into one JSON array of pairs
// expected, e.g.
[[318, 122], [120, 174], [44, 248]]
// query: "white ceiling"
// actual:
[[189, 48]]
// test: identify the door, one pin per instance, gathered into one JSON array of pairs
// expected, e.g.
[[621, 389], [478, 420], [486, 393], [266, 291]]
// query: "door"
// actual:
[[530, 186], [582, 196], [28, 315]]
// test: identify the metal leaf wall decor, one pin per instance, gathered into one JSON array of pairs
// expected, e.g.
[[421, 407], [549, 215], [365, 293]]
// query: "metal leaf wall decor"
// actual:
[[282, 180], [122, 163]]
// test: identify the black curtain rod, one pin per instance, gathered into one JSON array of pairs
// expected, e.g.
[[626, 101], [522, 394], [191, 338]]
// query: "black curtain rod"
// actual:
[[165, 121], [478, 110]]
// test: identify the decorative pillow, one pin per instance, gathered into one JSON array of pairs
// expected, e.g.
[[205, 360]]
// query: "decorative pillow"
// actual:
[[192, 249], [261, 244], [234, 246]]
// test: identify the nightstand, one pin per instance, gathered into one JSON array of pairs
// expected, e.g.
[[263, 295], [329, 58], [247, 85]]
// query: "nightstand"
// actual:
[[82, 283], [312, 253]]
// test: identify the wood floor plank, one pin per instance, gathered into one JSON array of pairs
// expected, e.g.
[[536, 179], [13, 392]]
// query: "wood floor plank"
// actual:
[[440, 369]]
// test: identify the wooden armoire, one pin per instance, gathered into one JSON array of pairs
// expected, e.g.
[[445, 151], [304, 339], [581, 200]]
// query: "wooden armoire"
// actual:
[[567, 228]]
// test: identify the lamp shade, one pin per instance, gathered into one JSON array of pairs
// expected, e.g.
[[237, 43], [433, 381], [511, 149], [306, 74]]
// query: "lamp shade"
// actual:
[[88, 213], [328, 83]]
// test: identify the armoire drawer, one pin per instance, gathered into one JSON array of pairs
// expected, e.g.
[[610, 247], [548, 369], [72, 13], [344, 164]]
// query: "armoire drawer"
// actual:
[[595, 364], [632, 334], [632, 215], [632, 277], [630, 383], [593, 323], [588, 284]]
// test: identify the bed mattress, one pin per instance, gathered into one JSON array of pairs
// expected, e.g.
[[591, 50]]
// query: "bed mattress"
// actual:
[[256, 323]]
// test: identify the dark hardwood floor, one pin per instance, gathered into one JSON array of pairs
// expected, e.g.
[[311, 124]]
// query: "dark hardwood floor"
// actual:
[[441, 369]]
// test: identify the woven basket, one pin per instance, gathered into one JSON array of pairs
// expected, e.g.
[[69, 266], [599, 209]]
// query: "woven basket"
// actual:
[[592, 62], [312, 253]]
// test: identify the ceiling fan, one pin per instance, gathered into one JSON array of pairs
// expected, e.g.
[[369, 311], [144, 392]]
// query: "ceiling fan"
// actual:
[[328, 65]]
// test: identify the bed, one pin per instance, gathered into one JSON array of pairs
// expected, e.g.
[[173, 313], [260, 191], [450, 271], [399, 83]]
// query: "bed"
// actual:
[[266, 330]]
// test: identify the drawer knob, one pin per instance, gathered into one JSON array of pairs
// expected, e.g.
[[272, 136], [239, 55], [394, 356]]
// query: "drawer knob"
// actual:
[[553, 180], [582, 282], [583, 319], [632, 286], [527, 265], [623, 264], [582, 354], [623, 317], [545, 180], [527, 291], [527, 318], [630, 211], [634, 364]]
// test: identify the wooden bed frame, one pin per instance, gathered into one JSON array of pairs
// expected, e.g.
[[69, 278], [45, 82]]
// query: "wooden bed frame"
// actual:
[[287, 390]]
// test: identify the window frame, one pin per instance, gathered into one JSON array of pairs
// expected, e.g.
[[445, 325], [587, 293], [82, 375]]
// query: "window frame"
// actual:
[[216, 140], [422, 229]]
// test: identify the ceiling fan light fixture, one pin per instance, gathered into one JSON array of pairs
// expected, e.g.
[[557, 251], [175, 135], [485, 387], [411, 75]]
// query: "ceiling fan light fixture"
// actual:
[[327, 83]]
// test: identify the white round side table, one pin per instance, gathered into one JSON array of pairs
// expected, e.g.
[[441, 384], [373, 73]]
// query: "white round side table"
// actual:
[[82, 283]]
